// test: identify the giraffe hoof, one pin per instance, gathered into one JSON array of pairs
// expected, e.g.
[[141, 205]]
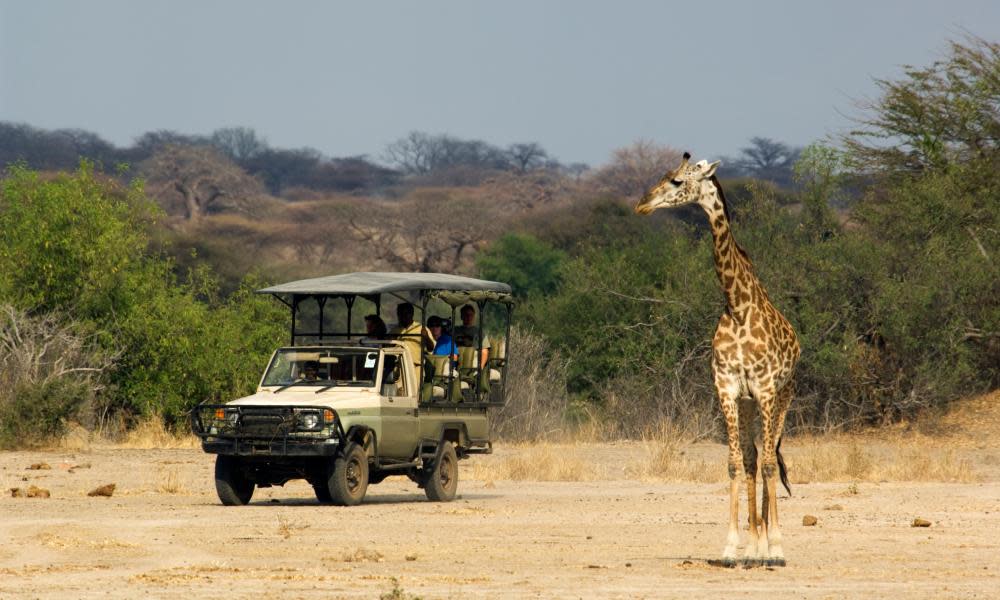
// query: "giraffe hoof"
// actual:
[[750, 562], [728, 563], [773, 562]]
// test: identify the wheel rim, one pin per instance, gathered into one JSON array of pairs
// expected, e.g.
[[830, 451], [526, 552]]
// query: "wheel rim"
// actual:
[[446, 472], [353, 476]]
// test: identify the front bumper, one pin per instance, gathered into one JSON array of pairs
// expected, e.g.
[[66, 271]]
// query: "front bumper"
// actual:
[[264, 431]]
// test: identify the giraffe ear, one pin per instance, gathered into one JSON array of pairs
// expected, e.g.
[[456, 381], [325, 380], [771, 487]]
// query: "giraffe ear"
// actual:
[[710, 171]]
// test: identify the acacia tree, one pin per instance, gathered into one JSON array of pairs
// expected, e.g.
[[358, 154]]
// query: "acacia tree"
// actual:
[[946, 113], [633, 169], [430, 230], [239, 143], [420, 153], [527, 157], [200, 176], [767, 159], [519, 192]]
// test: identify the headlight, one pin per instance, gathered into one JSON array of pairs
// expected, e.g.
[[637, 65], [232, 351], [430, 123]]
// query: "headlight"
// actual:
[[309, 420], [232, 416]]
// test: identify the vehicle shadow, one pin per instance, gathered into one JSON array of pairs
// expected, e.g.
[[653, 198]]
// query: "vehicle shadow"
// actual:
[[376, 499]]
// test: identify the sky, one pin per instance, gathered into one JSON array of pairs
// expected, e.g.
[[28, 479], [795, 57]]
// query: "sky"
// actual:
[[580, 77]]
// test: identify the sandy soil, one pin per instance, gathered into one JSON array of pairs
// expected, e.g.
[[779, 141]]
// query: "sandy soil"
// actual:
[[163, 534]]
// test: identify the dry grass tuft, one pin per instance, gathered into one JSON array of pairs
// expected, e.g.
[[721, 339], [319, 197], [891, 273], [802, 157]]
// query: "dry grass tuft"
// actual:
[[75, 439], [854, 458], [664, 458], [359, 555], [536, 462], [170, 483], [152, 434], [286, 528]]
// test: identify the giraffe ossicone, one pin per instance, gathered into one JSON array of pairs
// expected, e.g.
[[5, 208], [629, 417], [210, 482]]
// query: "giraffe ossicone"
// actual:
[[754, 355]]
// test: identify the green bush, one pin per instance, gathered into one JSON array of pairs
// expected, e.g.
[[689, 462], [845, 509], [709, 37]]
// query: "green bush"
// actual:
[[77, 246], [530, 266]]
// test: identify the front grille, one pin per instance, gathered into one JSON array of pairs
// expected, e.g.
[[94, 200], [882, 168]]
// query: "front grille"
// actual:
[[265, 422]]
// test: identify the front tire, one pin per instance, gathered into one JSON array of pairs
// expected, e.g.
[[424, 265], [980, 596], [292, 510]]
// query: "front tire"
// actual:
[[322, 492], [347, 480], [231, 482], [441, 479]]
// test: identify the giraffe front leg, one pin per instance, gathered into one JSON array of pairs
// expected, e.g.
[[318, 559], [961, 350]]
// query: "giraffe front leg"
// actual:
[[728, 399]]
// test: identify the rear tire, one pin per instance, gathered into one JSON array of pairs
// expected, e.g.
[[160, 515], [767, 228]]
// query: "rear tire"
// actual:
[[347, 480], [231, 483], [441, 479]]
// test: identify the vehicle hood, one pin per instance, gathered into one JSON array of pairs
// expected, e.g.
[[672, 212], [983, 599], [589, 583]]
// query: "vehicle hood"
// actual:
[[306, 397]]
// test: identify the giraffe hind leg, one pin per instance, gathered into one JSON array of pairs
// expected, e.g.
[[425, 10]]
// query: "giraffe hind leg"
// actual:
[[772, 412], [749, 449]]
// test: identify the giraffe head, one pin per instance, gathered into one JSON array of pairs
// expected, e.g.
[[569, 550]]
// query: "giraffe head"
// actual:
[[686, 184]]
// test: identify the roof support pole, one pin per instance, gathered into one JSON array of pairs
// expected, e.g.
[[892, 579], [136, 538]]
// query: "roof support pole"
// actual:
[[424, 299], [349, 301], [295, 309], [321, 301]]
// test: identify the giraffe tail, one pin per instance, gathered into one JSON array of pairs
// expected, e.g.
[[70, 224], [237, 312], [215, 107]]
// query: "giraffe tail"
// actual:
[[782, 470]]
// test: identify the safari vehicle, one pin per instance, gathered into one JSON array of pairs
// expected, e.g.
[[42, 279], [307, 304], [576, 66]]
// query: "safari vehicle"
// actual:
[[344, 411]]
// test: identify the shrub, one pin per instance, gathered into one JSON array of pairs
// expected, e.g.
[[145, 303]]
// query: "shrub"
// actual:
[[537, 399], [48, 375]]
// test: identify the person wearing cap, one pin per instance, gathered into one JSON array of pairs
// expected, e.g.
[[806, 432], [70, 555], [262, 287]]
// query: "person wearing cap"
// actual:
[[445, 345]]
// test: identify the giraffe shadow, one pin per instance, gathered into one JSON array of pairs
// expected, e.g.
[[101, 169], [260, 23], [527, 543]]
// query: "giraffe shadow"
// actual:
[[745, 563]]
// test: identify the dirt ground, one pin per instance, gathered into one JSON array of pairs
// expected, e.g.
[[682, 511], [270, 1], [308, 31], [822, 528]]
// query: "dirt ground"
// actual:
[[163, 533]]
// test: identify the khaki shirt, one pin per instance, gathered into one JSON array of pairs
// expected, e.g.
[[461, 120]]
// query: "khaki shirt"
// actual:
[[412, 339]]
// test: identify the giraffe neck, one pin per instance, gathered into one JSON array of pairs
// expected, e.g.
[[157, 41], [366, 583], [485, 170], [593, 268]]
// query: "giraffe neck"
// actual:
[[732, 265]]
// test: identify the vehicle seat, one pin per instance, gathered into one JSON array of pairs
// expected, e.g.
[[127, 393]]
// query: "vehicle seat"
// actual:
[[443, 378], [498, 356]]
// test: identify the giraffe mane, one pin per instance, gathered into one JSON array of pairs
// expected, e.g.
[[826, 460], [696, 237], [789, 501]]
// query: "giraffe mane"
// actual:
[[725, 211]]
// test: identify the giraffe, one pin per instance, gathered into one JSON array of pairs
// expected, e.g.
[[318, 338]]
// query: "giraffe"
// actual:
[[754, 354]]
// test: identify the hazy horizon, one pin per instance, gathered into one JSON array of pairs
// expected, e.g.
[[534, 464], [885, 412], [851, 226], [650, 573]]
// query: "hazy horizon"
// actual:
[[579, 78]]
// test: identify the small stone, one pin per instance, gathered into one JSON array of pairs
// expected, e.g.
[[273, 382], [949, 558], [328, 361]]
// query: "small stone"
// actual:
[[39, 467], [833, 507], [809, 520], [31, 492], [411, 557], [105, 490], [918, 522], [37, 492]]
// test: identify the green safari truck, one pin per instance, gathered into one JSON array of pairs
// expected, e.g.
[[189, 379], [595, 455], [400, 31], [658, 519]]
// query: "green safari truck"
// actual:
[[344, 409]]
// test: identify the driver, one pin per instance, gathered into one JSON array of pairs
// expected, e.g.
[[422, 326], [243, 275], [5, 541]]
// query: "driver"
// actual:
[[310, 371]]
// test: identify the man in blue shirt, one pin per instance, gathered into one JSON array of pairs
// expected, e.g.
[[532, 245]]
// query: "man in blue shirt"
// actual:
[[445, 345]]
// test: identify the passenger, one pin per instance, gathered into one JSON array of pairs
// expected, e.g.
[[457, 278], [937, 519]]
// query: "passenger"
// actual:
[[467, 334], [411, 334], [445, 345], [376, 330]]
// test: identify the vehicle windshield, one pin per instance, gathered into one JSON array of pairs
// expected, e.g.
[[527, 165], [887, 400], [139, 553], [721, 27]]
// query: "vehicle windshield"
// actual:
[[322, 367]]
